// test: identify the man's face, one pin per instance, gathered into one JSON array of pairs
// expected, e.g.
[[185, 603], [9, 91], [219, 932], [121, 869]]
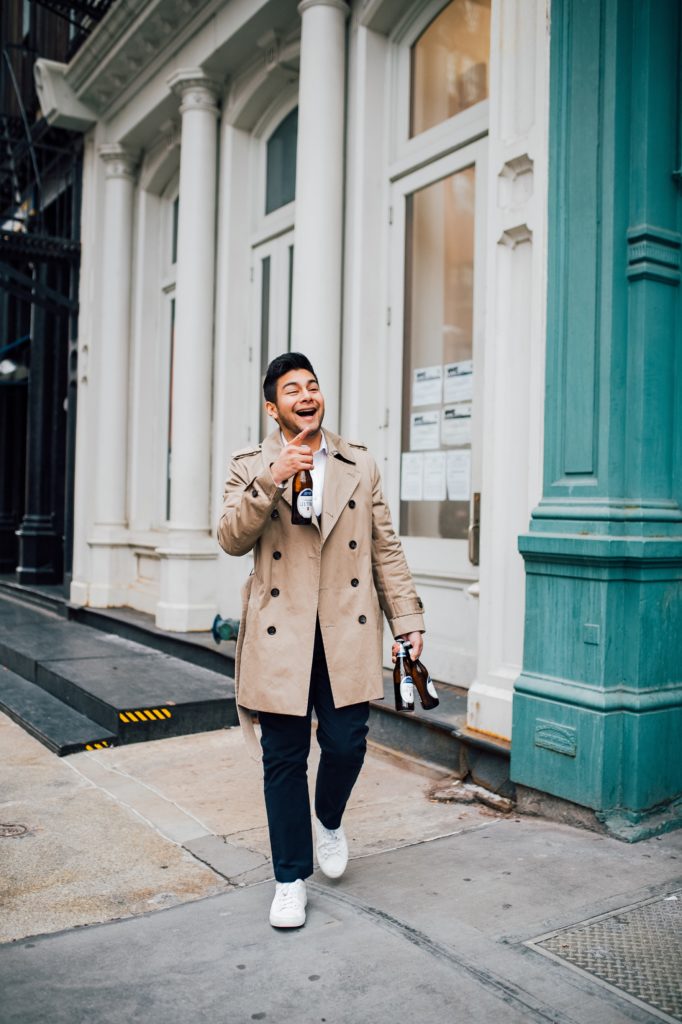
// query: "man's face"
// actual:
[[299, 404]]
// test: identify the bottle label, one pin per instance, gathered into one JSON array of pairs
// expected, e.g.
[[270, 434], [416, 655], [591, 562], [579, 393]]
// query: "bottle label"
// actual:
[[407, 690], [304, 503], [430, 687]]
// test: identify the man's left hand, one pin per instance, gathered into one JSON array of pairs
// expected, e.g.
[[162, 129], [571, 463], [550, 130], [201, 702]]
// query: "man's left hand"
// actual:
[[416, 641]]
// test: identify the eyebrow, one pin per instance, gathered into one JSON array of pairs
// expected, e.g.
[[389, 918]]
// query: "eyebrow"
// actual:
[[295, 383]]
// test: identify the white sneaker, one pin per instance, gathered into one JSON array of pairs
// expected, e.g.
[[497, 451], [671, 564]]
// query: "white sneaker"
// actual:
[[332, 850], [288, 906]]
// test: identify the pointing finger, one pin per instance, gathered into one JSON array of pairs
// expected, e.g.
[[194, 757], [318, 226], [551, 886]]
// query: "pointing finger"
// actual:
[[302, 436]]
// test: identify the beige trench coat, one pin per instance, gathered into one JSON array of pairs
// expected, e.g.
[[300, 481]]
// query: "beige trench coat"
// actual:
[[345, 569]]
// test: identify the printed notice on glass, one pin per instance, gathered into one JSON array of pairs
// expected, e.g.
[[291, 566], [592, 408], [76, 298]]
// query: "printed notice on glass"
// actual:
[[434, 476], [456, 424], [424, 431], [411, 476], [427, 386], [458, 471], [458, 381]]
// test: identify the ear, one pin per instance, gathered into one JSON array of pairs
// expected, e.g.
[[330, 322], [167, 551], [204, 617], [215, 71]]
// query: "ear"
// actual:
[[271, 410]]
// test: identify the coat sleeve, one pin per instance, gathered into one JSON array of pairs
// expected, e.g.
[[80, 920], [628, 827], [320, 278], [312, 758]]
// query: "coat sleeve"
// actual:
[[249, 496], [392, 578]]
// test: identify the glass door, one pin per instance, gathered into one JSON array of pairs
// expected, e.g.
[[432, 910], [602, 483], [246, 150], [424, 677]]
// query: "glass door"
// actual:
[[273, 270], [436, 359]]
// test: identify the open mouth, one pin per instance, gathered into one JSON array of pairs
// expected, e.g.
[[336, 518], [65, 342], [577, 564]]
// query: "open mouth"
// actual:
[[306, 413]]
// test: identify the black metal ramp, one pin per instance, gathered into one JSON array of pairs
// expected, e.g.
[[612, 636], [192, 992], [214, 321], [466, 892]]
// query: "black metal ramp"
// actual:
[[58, 726], [128, 692]]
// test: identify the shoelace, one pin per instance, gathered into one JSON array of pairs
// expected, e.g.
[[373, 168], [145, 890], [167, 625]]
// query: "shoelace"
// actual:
[[287, 898], [330, 843]]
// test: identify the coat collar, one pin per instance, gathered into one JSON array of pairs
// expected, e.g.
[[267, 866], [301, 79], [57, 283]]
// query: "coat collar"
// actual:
[[340, 478]]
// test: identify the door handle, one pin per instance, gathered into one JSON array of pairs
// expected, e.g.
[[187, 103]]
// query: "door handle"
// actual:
[[474, 531]]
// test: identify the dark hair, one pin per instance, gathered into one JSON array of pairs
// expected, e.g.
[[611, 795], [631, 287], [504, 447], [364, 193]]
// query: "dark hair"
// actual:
[[281, 365]]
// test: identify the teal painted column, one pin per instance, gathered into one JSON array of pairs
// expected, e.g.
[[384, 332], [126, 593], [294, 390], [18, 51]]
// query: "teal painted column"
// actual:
[[597, 715]]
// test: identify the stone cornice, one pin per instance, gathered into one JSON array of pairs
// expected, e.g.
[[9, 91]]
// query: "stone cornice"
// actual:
[[127, 41]]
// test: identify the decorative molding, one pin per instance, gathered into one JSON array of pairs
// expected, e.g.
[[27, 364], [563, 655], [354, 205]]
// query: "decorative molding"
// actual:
[[196, 89], [654, 254], [516, 182], [511, 237], [125, 41], [120, 162], [340, 5], [562, 739]]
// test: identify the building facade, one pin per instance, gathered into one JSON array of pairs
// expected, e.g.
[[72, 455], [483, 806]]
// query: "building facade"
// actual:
[[366, 182]]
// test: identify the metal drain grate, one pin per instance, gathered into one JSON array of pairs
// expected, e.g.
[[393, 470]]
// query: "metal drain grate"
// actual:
[[637, 950]]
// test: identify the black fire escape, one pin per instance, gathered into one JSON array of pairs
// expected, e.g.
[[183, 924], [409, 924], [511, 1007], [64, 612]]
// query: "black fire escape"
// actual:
[[40, 193]]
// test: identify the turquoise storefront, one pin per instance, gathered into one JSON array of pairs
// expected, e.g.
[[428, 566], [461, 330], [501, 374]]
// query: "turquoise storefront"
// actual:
[[597, 713]]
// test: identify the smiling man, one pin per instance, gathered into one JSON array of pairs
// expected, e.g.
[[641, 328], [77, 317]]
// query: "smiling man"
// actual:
[[311, 628]]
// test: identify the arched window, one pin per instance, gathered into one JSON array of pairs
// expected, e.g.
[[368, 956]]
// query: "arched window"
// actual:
[[280, 180], [449, 64]]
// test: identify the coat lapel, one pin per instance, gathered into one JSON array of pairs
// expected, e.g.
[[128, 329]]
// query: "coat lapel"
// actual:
[[341, 477]]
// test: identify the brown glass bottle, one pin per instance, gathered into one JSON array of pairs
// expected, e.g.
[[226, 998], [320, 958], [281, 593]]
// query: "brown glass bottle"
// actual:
[[402, 681], [425, 688], [302, 498]]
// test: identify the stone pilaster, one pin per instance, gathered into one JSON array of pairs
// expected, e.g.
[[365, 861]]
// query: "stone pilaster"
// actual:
[[598, 706]]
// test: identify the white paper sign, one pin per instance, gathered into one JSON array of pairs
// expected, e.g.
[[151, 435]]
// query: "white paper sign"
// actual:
[[411, 476], [424, 431], [434, 476], [456, 424], [459, 475], [458, 381], [427, 385]]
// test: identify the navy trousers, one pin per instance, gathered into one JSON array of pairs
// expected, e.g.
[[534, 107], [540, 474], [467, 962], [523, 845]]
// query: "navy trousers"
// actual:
[[285, 739]]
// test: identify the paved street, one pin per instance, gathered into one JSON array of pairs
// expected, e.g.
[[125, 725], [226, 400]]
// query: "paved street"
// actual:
[[148, 864]]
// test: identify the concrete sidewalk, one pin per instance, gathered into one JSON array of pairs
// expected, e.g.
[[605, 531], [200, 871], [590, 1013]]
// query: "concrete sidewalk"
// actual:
[[169, 839]]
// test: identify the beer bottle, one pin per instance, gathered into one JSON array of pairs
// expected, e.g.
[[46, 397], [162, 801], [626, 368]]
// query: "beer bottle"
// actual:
[[302, 498], [402, 681], [425, 688]]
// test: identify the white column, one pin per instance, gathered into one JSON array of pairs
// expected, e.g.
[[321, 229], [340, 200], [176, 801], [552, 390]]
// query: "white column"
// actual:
[[111, 491], [316, 314], [194, 295], [187, 584], [108, 577]]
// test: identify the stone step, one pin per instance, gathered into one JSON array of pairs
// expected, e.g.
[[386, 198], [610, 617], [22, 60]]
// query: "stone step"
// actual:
[[128, 689], [57, 726], [439, 736]]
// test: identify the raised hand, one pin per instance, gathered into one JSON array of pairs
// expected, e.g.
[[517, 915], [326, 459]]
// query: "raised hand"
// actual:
[[295, 456]]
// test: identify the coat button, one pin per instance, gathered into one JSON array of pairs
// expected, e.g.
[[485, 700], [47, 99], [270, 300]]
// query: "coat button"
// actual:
[[352, 544], [354, 583], [271, 630], [274, 592], [277, 555], [351, 503], [274, 514], [362, 620], [254, 493]]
